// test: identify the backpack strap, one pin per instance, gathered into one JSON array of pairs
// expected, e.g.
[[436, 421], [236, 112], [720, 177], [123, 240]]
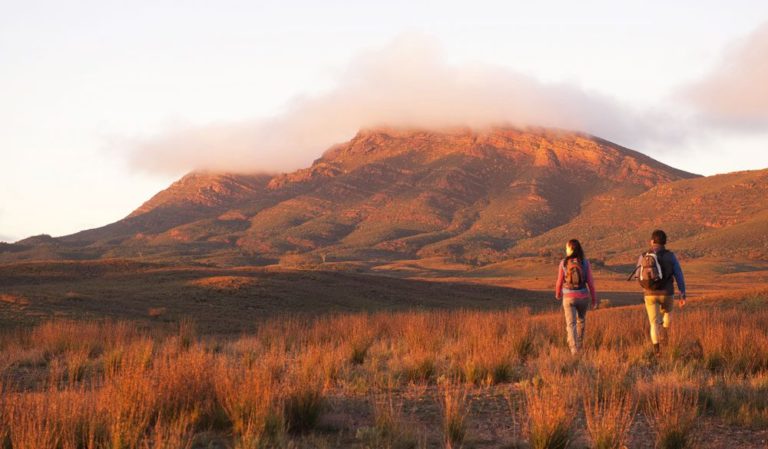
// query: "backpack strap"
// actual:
[[656, 256], [634, 274], [660, 256], [565, 263]]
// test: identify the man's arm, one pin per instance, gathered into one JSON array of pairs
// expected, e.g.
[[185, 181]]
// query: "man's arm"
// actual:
[[678, 273], [591, 283]]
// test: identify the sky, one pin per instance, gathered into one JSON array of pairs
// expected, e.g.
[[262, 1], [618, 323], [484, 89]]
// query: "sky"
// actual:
[[104, 103]]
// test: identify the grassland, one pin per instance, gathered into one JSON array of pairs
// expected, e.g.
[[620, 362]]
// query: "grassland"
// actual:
[[393, 379], [226, 300]]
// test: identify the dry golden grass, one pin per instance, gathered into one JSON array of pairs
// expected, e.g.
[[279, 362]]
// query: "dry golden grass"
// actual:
[[113, 385], [454, 401], [672, 411], [551, 409], [33, 421], [171, 434], [390, 430], [5, 422], [609, 414]]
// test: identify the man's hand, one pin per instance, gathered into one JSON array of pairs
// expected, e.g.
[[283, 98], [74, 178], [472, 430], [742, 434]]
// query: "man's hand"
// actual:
[[682, 300]]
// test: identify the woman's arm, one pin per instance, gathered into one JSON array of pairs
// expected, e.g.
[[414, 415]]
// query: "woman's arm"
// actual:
[[560, 279]]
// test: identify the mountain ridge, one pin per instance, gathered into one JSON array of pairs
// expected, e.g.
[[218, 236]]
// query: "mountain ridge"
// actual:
[[392, 193]]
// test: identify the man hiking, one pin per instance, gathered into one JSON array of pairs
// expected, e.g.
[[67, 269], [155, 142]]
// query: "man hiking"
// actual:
[[657, 270]]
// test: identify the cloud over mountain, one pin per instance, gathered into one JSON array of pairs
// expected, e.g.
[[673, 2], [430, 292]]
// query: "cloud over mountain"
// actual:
[[408, 83]]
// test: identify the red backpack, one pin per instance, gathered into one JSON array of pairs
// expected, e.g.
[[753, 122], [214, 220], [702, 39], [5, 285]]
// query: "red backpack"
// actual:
[[574, 274]]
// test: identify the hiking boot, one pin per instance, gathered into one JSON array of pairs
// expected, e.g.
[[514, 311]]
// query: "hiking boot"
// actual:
[[656, 349]]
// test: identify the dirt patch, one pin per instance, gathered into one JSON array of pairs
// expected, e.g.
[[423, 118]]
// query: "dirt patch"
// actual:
[[18, 300], [229, 283]]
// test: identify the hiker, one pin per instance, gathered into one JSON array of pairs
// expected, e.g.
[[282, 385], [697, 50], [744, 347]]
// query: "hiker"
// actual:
[[657, 270], [575, 287]]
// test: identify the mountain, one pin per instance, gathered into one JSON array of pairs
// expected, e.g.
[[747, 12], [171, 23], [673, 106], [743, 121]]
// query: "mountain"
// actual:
[[717, 216], [394, 194]]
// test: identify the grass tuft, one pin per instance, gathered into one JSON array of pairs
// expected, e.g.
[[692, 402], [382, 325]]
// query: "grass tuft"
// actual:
[[454, 401], [672, 411], [551, 413], [609, 416]]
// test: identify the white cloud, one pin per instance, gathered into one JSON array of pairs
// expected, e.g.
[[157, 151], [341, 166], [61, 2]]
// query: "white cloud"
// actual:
[[735, 94], [408, 84]]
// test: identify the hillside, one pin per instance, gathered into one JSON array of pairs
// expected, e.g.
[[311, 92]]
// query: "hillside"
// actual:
[[717, 216], [468, 195]]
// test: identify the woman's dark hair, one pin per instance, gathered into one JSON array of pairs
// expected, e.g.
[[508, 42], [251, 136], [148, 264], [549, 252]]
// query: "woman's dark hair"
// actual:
[[578, 252], [659, 237]]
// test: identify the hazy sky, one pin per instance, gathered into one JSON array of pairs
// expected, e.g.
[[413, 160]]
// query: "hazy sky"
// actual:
[[104, 103]]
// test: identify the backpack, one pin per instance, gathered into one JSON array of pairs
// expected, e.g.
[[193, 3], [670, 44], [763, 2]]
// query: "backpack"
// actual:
[[574, 274], [651, 276]]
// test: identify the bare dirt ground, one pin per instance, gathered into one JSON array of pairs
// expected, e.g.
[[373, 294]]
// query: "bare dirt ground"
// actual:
[[492, 425]]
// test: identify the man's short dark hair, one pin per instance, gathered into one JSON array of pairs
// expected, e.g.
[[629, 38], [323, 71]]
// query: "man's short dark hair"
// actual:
[[659, 237]]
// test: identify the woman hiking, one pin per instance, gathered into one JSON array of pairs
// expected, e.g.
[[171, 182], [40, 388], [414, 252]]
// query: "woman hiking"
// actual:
[[575, 287]]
